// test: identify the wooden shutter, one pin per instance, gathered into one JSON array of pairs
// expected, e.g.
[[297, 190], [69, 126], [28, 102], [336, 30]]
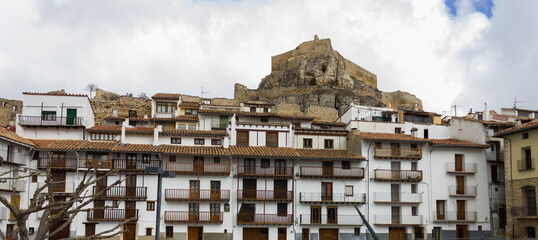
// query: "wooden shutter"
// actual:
[[242, 138], [271, 139]]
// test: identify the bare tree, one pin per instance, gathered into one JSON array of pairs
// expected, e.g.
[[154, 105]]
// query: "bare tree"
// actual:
[[57, 215], [92, 87]]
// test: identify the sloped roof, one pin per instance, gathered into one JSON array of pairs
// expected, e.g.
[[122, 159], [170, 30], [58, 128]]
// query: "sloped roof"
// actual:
[[391, 137], [456, 143], [167, 131], [526, 126], [5, 133]]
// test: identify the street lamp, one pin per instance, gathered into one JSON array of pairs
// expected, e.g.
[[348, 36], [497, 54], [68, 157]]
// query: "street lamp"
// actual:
[[160, 174]]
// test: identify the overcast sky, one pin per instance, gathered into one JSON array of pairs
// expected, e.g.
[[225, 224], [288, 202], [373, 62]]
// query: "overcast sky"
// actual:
[[459, 52]]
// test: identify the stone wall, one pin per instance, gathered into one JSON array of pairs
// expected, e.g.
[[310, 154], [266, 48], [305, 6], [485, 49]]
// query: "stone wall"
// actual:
[[104, 102], [288, 108], [8, 111], [520, 223], [322, 113]]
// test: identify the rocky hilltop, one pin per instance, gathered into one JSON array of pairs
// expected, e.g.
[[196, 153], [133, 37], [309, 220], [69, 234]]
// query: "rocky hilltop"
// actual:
[[316, 80], [8, 111], [105, 102]]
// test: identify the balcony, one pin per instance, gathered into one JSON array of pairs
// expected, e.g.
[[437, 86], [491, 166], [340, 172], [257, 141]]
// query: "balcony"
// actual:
[[526, 164], [264, 195], [192, 217], [264, 219], [461, 191], [122, 192], [258, 171], [112, 214], [331, 172], [397, 153], [397, 197], [455, 216], [334, 198], [467, 168], [134, 165], [15, 185], [397, 220], [397, 175], [59, 187], [199, 168], [340, 220], [58, 163], [197, 195], [50, 121], [219, 125], [95, 163], [525, 212]]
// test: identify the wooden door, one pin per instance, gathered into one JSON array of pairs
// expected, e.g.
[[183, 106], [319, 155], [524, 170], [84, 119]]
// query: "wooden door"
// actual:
[[440, 209], [395, 149], [214, 210], [459, 163], [102, 184], [58, 159], [223, 121], [332, 215], [461, 209], [305, 234], [395, 192], [198, 164], [195, 233], [71, 116], [281, 234], [419, 233], [461, 232], [9, 232], [194, 189], [130, 161], [130, 231], [242, 138], [280, 167], [395, 170], [327, 168], [328, 234], [397, 233], [89, 229], [64, 233], [130, 209], [58, 178], [215, 190], [130, 189], [315, 214], [99, 209], [255, 234], [395, 215], [327, 191], [281, 189], [271, 139], [460, 187], [249, 165], [246, 212], [193, 212], [530, 201], [249, 188]]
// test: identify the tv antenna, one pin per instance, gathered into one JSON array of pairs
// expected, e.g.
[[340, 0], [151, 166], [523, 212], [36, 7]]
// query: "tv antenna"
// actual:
[[516, 102], [202, 93]]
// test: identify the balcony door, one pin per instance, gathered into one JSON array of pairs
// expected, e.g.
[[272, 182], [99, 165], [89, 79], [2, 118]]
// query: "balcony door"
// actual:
[[130, 209], [315, 214], [198, 164], [71, 116], [194, 189], [130, 161], [332, 215], [440, 209], [58, 159], [395, 215], [395, 149], [459, 163], [249, 165], [327, 168], [99, 209], [326, 191], [281, 189], [249, 188], [214, 210], [130, 189], [246, 213], [102, 184], [395, 170], [215, 190], [280, 167], [59, 181], [461, 209], [395, 192], [194, 212], [530, 200], [460, 187]]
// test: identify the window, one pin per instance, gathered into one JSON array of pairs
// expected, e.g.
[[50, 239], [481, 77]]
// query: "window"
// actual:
[[332, 215], [525, 135], [172, 159], [166, 107], [531, 232], [265, 109], [181, 126], [414, 166], [349, 190], [216, 141], [346, 165], [413, 188], [329, 144], [315, 214], [414, 145], [377, 144], [146, 158], [265, 163], [397, 130], [199, 141], [527, 162], [206, 101], [436, 232], [252, 109], [169, 231], [48, 115], [150, 205], [148, 231], [414, 211], [307, 143], [216, 160], [282, 209], [103, 136], [192, 127], [115, 204], [191, 111], [357, 231], [426, 133], [264, 120], [175, 140], [34, 176]]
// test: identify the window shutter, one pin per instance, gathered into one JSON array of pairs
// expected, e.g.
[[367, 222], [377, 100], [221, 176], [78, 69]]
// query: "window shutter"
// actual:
[[242, 138], [271, 139]]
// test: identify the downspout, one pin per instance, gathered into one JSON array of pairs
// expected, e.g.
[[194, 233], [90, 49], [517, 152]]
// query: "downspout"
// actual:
[[368, 184]]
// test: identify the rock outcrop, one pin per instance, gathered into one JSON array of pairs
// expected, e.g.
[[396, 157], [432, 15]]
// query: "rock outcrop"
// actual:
[[104, 102], [314, 74], [8, 111]]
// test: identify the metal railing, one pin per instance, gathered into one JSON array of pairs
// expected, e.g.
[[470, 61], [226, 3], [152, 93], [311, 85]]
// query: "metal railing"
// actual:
[[462, 191], [196, 194], [265, 195], [324, 219], [270, 219], [397, 197], [190, 217], [121, 192], [455, 216], [16, 185], [59, 187], [464, 168], [216, 124], [111, 214], [264, 171], [50, 121], [332, 198], [327, 172], [61, 163], [198, 168], [401, 153], [397, 175], [135, 164], [387, 219]]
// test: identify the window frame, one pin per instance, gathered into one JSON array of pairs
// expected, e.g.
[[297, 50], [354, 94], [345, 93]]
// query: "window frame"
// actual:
[[169, 232], [150, 205], [307, 142], [199, 141], [346, 165], [175, 140], [216, 142], [328, 143]]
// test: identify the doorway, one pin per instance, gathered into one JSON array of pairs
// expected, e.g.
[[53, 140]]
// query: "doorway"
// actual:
[[328, 234], [397, 233], [461, 232], [195, 233]]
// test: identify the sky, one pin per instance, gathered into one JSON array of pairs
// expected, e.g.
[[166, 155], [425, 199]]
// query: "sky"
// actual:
[[466, 53]]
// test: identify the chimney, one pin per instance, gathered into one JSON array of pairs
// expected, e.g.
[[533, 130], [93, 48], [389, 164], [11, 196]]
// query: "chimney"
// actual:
[[416, 107], [517, 123], [233, 133], [123, 126], [226, 142], [414, 132], [114, 112], [156, 131], [485, 115], [290, 142]]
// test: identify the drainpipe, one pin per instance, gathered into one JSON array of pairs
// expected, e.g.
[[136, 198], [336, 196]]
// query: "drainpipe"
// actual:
[[368, 189]]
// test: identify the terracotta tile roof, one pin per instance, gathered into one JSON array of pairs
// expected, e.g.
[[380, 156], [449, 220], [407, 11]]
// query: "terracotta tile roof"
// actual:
[[5, 133], [391, 137], [263, 152], [321, 130], [194, 150], [526, 126], [135, 148], [296, 116], [221, 102], [255, 114], [55, 94], [167, 131], [174, 96], [189, 104], [454, 142], [497, 123], [116, 128], [264, 124], [66, 145], [260, 103], [190, 118], [327, 154], [330, 123]]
